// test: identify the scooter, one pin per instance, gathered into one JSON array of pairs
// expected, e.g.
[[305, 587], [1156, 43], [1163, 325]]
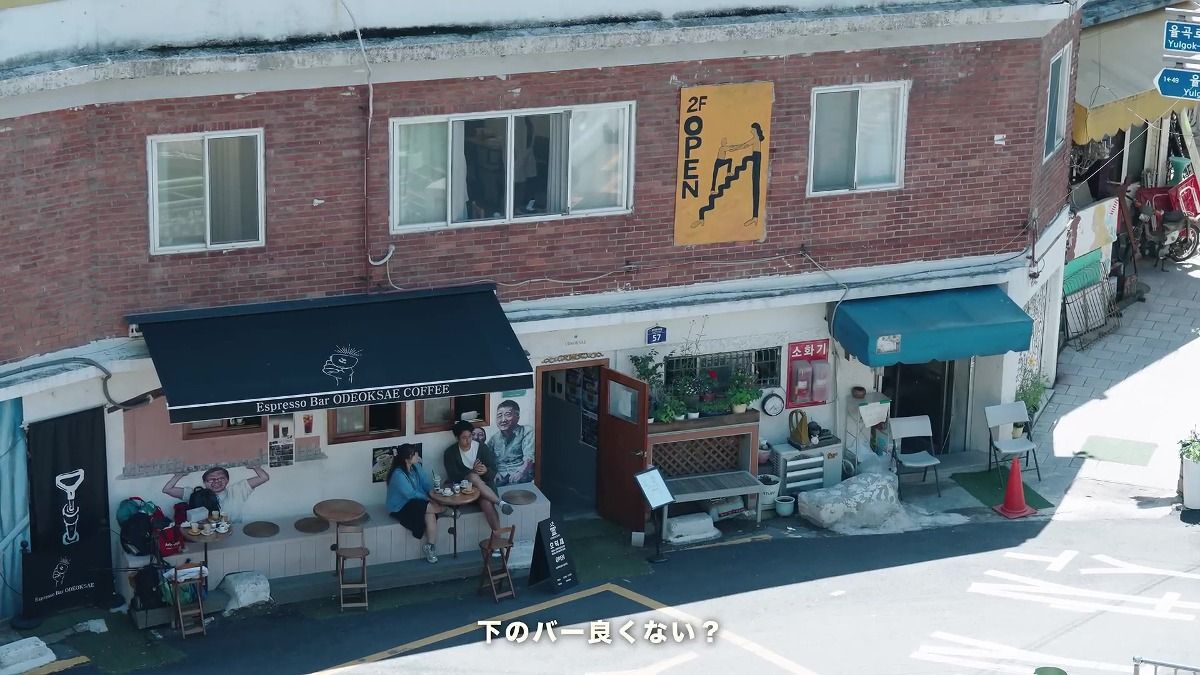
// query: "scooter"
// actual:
[[1163, 231]]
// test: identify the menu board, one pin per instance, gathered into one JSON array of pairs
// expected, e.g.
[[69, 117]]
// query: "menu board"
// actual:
[[654, 488], [551, 560]]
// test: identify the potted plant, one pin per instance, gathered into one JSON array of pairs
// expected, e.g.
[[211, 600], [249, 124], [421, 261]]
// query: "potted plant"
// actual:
[[743, 390], [670, 409], [688, 392], [1031, 391], [717, 406], [647, 368], [1189, 457]]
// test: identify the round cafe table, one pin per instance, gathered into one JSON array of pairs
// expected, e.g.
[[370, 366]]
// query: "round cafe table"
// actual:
[[338, 511], [454, 503]]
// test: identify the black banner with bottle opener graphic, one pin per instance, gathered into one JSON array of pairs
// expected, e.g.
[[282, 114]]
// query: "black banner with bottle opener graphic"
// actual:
[[70, 563], [551, 560]]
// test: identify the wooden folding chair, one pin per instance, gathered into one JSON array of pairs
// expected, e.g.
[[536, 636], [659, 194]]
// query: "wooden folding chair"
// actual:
[[495, 576]]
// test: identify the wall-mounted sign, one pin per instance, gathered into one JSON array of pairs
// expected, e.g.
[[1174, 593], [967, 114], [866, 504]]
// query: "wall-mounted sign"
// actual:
[[887, 344], [721, 188], [656, 335], [808, 373]]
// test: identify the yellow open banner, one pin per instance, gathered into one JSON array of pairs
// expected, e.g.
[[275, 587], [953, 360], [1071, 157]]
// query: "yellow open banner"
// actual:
[[721, 190]]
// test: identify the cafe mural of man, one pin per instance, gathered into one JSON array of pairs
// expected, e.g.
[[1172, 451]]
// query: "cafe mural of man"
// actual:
[[513, 445]]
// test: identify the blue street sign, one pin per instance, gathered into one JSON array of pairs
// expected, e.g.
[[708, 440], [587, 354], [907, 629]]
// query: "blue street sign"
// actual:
[[1179, 83], [656, 335], [1181, 36]]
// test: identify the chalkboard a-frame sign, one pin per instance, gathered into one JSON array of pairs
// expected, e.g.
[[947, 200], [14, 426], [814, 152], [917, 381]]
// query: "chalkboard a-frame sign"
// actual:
[[551, 559]]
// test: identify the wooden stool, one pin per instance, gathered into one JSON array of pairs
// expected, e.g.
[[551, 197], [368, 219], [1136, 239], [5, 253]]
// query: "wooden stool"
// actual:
[[359, 553], [189, 617], [501, 540]]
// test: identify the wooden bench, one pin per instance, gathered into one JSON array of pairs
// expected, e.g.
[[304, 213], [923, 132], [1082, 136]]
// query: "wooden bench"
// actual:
[[709, 458], [715, 486]]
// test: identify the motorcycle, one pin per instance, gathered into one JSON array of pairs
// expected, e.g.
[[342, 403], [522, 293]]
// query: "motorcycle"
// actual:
[[1163, 230]]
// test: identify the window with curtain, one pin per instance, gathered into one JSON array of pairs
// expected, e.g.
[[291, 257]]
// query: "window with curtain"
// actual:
[[857, 138], [1057, 98], [206, 191], [510, 166]]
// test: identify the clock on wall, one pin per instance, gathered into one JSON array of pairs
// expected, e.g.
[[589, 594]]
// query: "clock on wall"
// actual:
[[772, 404]]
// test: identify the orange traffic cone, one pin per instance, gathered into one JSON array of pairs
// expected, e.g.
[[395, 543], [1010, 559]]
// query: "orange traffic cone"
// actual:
[[1014, 505]]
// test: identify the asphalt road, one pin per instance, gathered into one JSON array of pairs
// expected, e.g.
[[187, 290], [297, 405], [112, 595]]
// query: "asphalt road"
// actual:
[[996, 597]]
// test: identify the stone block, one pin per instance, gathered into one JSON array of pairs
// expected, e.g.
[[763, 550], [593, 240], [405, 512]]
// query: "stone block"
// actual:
[[245, 589], [24, 655], [865, 500]]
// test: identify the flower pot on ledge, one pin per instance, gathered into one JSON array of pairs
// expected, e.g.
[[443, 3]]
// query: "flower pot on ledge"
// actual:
[[740, 407]]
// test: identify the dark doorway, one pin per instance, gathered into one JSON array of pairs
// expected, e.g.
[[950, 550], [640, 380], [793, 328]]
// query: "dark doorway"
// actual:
[[568, 462], [922, 389]]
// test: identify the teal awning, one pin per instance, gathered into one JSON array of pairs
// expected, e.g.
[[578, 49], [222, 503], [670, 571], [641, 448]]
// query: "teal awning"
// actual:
[[941, 326]]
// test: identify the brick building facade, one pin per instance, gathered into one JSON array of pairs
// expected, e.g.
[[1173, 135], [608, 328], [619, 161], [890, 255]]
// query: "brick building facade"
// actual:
[[978, 203]]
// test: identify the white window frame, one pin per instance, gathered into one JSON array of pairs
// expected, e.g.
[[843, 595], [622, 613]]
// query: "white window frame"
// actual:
[[901, 136], [1064, 58], [152, 166], [510, 116]]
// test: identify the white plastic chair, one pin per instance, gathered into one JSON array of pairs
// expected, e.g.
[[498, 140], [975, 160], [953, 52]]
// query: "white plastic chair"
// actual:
[[1005, 448], [914, 427]]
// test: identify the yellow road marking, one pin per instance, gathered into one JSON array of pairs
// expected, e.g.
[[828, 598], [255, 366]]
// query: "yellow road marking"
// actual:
[[463, 630], [60, 665], [633, 596]]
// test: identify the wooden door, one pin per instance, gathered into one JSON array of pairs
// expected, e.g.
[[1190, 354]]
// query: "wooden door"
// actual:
[[621, 448]]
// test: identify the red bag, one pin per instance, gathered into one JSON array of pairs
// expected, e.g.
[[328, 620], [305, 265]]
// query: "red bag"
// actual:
[[170, 541]]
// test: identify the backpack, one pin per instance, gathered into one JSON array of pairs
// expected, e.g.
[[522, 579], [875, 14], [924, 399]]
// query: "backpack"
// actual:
[[137, 534], [147, 583], [133, 505], [202, 496]]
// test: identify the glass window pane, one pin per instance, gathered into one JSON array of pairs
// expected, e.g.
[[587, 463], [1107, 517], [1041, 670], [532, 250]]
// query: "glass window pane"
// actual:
[[539, 164], [179, 168], [421, 173], [233, 189], [435, 411], [1052, 106], [470, 408], [836, 119], [622, 401], [351, 420], [245, 423], [385, 417], [480, 169], [207, 424], [878, 136], [598, 158]]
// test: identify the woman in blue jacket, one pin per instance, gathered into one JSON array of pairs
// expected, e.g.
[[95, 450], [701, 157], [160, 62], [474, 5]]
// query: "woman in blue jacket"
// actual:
[[408, 487]]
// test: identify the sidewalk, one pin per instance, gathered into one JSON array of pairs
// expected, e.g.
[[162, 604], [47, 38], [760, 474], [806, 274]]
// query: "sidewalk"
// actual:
[[1128, 392]]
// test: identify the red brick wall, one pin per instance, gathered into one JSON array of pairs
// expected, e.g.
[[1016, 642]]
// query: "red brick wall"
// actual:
[[73, 190]]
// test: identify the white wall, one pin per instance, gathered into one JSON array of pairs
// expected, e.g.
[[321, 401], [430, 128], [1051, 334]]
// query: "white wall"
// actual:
[[291, 491], [90, 26], [703, 335]]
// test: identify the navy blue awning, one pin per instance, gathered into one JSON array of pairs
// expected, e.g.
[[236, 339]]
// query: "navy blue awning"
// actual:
[[282, 357], [939, 325]]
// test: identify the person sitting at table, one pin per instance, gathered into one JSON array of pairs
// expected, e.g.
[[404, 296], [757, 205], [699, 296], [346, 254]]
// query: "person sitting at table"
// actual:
[[473, 461], [408, 487]]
